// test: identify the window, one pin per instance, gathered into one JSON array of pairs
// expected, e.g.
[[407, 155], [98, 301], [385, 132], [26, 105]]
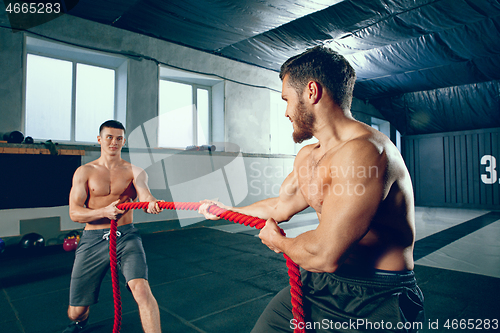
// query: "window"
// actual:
[[95, 100], [48, 98], [281, 129], [381, 125], [184, 114], [385, 127], [190, 108], [71, 91]]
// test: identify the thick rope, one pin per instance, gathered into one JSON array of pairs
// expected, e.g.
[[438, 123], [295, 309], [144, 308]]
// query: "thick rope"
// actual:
[[293, 268], [114, 277]]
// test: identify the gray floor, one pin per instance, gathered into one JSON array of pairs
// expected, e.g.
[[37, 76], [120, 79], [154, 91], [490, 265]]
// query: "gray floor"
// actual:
[[219, 279], [477, 250]]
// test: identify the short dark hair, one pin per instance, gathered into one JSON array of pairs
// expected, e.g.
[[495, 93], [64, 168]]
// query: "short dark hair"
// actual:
[[111, 124], [325, 66]]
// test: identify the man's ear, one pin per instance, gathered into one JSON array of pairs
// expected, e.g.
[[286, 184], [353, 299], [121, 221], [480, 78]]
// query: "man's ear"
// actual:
[[314, 91], [99, 139]]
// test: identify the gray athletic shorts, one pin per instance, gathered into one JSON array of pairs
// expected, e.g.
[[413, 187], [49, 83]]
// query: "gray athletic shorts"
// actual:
[[92, 262], [349, 301]]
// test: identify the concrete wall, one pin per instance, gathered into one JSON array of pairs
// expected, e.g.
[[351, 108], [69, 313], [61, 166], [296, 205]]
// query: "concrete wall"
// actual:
[[256, 174], [242, 101], [11, 81], [233, 178]]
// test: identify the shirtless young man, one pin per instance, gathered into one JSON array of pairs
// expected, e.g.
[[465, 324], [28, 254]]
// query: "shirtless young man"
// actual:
[[358, 263], [98, 187]]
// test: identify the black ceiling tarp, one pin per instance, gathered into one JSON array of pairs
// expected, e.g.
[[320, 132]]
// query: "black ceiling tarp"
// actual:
[[458, 108], [209, 25], [428, 65], [434, 45]]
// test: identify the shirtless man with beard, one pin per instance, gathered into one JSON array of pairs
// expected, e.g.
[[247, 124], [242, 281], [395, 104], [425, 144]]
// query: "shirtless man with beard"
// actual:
[[357, 265]]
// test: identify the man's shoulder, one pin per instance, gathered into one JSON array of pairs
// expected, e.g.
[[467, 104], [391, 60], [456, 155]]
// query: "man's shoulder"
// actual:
[[306, 150], [367, 140], [84, 172], [135, 169], [361, 151], [90, 167], [87, 168]]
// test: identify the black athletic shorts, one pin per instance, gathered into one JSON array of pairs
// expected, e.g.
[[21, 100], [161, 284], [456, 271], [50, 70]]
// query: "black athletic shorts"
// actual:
[[92, 262], [349, 301]]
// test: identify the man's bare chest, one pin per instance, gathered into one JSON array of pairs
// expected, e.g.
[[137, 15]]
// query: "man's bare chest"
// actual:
[[314, 183], [105, 183]]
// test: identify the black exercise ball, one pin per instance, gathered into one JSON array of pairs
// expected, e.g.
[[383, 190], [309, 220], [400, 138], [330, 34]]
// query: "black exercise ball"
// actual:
[[32, 241], [29, 140], [14, 137]]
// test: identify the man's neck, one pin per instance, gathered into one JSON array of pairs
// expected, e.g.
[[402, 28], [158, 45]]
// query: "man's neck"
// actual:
[[110, 161], [333, 128]]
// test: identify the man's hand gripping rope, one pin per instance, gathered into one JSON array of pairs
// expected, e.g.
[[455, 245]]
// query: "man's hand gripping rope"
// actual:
[[215, 212]]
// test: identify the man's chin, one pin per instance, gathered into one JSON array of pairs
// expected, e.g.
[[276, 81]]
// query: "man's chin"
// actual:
[[301, 137]]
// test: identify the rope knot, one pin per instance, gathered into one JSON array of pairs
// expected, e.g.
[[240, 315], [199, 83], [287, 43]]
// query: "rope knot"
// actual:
[[106, 235]]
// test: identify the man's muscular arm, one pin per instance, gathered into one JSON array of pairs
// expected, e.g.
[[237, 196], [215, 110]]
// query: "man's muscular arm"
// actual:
[[78, 212], [345, 218], [143, 192], [281, 208]]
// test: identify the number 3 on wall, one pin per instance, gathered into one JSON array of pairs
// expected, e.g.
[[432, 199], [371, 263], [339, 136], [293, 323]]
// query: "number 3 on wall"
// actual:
[[491, 164]]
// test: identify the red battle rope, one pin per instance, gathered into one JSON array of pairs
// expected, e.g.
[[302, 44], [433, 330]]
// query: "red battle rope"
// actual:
[[114, 277], [293, 268]]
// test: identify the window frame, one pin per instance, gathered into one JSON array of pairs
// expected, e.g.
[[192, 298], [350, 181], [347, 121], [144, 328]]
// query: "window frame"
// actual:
[[384, 126], [194, 101], [78, 55], [216, 105]]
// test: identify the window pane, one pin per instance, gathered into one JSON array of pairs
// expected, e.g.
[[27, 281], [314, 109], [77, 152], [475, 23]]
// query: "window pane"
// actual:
[[398, 140], [95, 100], [48, 98], [280, 126], [175, 126], [202, 108]]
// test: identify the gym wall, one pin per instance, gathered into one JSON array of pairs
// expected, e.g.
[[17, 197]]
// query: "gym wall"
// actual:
[[141, 106], [455, 169], [144, 55], [248, 91]]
